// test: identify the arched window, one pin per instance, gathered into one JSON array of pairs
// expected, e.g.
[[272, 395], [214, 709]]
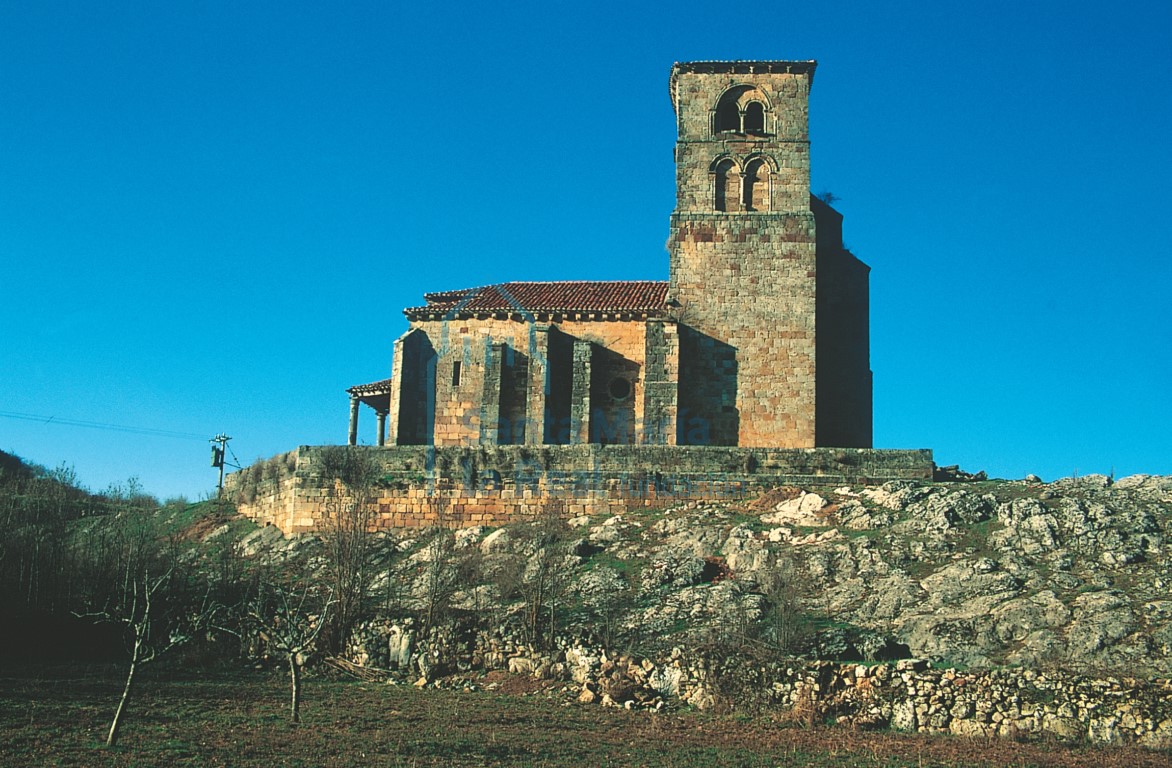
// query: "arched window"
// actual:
[[728, 186], [728, 117], [756, 186], [741, 109], [754, 120]]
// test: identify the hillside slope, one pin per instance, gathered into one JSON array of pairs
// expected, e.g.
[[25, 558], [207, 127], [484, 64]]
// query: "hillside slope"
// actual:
[[1072, 574]]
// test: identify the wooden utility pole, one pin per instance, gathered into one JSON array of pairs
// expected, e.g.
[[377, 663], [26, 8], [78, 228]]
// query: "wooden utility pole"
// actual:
[[219, 446]]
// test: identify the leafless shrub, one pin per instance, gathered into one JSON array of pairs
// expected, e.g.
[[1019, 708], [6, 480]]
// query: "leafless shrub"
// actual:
[[785, 625], [346, 534]]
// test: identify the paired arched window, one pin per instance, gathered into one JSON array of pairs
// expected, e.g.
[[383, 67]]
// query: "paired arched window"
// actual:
[[741, 109], [735, 189], [728, 117]]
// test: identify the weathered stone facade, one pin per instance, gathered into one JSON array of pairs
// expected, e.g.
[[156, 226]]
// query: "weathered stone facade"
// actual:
[[454, 486], [742, 244], [501, 381], [758, 339]]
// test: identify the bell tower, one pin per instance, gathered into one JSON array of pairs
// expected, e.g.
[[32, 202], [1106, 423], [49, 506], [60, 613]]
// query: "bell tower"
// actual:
[[743, 249]]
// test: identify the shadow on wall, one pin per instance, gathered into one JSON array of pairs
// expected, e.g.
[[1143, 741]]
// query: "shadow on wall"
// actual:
[[417, 414], [612, 398], [708, 412], [559, 395], [514, 391], [707, 400]]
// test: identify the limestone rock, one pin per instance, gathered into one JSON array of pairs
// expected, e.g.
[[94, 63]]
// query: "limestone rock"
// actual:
[[673, 567], [896, 495], [400, 643], [496, 542], [466, 537], [892, 596], [519, 665], [964, 580], [665, 680], [855, 515], [802, 510], [744, 553]]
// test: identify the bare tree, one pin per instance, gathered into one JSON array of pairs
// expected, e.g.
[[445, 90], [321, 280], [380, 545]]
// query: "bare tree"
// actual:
[[130, 576], [147, 643], [535, 572], [441, 576], [290, 621], [607, 609]]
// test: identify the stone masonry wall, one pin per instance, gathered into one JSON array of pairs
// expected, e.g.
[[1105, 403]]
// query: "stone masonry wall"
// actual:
[[747, 277], [459, 487], [460, 415], [908, 696], [786, 137], [761, 316], [661, 404], [842, 328]]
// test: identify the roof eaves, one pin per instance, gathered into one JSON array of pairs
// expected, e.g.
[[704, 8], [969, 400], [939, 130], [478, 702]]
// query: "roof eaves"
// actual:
[[740, 67]]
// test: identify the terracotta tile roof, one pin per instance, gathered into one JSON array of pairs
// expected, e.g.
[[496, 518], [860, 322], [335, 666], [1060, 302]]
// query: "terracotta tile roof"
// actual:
[[564, 296], [375, 388]]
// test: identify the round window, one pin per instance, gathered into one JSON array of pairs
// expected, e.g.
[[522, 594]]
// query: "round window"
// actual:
[[620, 388]]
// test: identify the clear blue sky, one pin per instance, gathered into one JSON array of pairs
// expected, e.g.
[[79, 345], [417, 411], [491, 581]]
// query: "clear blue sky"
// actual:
[[212, 213]]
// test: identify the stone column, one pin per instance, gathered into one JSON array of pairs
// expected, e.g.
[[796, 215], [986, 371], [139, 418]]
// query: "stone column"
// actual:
[[538, 389], [490, 401], [382, 427], [353, 420], [580, 393], [396, 404], [661, 383]]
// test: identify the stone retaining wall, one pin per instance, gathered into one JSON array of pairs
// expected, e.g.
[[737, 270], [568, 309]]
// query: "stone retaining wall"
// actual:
[[1005, 702], [905, 696], [456, 487]]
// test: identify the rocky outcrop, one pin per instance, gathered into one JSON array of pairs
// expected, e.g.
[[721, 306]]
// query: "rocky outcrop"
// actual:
[[1040, 606]]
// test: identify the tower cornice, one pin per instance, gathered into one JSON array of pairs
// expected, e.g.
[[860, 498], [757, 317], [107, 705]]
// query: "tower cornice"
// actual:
[[806, 68]]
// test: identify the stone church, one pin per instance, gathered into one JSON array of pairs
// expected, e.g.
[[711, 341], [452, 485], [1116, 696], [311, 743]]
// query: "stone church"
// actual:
[[758, 339]]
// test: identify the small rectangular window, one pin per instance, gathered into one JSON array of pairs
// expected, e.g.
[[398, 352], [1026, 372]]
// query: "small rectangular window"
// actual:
[[456, 374]]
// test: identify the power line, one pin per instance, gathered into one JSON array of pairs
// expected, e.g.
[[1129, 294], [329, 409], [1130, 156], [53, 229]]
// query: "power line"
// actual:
[[108, 427], [238, 463]]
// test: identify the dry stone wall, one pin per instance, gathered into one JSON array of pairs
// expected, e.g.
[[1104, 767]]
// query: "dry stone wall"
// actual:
[[908, 695]]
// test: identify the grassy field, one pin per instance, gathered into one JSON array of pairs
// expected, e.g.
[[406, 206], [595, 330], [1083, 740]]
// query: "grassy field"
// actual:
[[58, 717]]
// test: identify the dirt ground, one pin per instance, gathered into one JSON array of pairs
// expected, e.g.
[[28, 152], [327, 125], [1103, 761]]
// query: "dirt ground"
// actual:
[[239, 719]]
